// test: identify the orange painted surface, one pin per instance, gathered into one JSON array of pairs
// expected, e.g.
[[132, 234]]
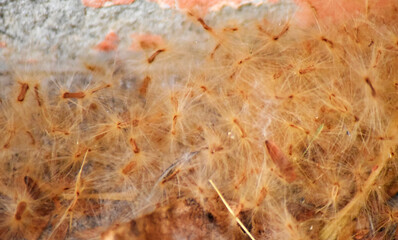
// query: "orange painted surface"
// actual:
[[203, 6], [110, 43], [199, 5], [336, 10], [333, 10]]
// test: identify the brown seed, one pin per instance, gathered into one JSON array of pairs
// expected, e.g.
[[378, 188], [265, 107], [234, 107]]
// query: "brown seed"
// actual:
[[130, 166], [22, 93], [306, 70], [214, 50], [154, 55], [367, 80], [261, 197], [243, 133], [133, 143], [144, 86], [74, 95], [204, 25], [38, 98], [281, 161], [327, 41], [170, 175], [20, 210], [284, 30]]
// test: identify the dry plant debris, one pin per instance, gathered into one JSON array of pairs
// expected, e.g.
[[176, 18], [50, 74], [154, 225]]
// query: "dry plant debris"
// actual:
[[296, 126]]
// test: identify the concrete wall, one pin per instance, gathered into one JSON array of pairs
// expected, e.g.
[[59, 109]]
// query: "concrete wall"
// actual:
[[66, 29]]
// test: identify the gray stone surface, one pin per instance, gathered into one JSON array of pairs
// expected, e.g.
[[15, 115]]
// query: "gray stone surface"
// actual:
[[66, 29]]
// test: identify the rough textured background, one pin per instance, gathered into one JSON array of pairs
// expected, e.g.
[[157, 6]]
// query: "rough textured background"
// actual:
[[66, 29]]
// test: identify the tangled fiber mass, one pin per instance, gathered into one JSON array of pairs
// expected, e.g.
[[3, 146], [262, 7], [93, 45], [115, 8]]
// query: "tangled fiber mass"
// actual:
[[264, 130]]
